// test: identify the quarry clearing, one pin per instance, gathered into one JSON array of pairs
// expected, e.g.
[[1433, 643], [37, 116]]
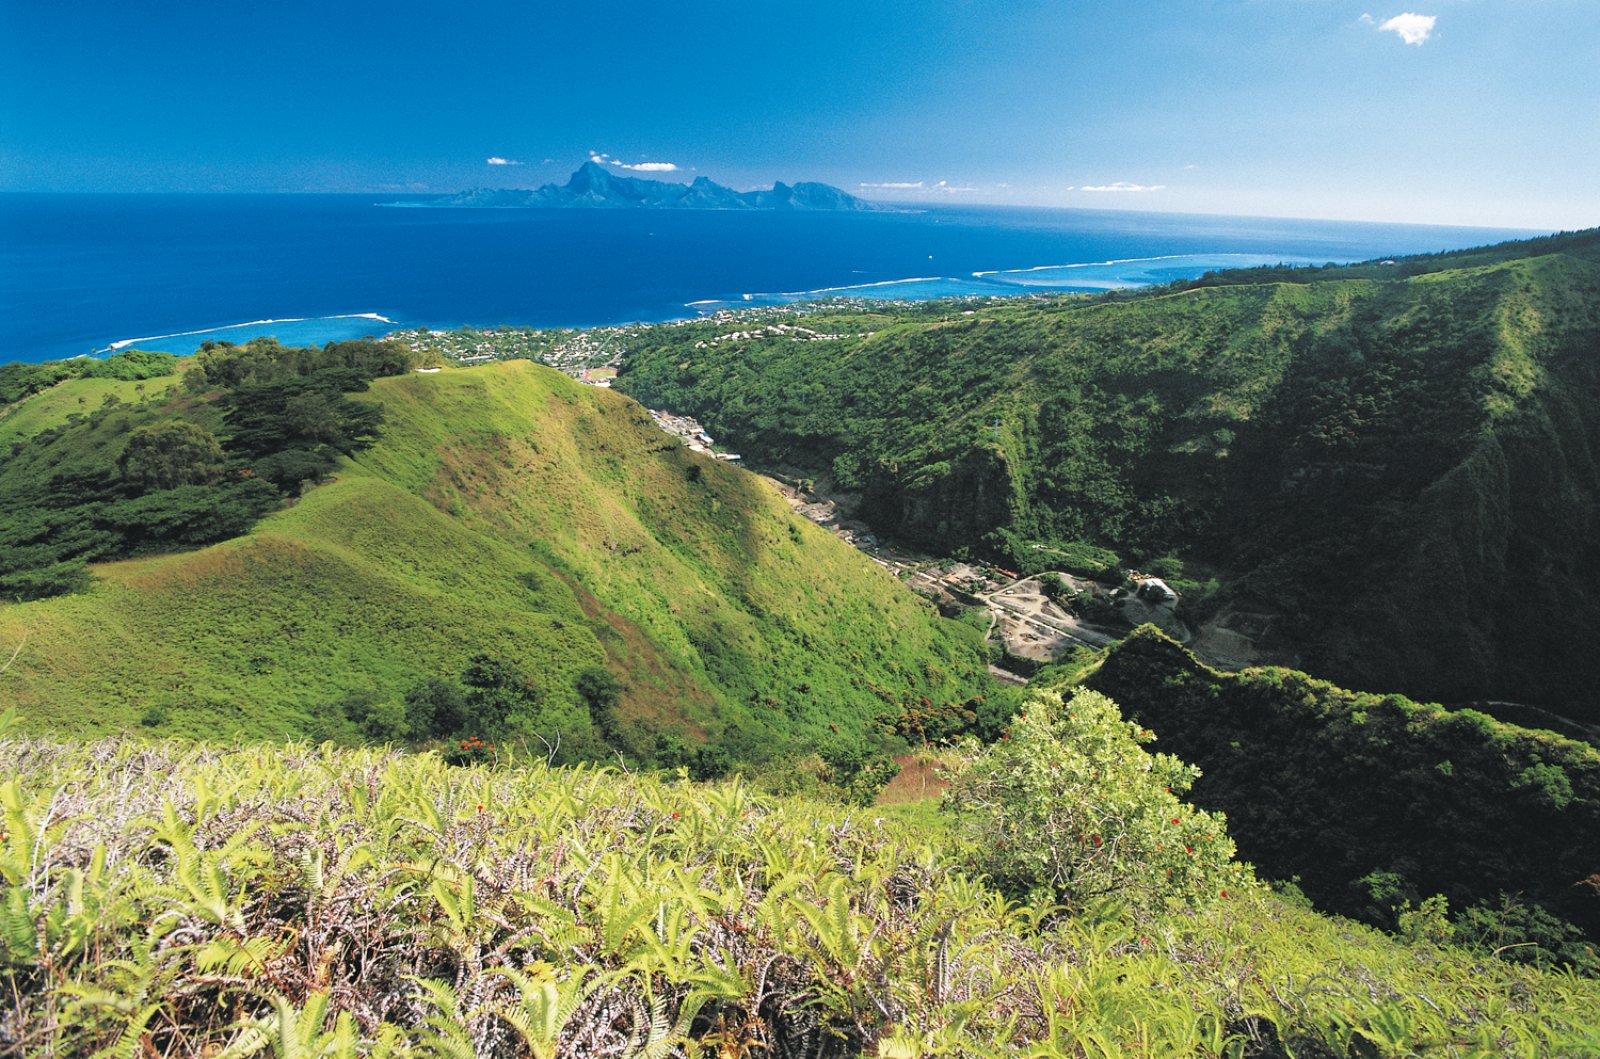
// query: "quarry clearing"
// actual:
[[1021, 617]]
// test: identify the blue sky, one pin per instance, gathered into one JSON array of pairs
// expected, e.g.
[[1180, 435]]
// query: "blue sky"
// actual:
[[1450, 111]]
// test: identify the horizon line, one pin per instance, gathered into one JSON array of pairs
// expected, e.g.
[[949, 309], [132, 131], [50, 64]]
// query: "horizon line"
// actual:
[[911, 203]]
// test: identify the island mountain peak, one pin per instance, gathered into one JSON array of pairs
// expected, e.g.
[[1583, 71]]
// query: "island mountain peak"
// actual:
[[593, 186]]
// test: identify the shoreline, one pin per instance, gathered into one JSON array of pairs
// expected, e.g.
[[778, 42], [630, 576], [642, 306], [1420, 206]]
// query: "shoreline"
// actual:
[[1085, 277]]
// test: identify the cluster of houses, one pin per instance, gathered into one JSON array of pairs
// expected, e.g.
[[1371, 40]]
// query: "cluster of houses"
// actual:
[[688, 430], [805, 334]]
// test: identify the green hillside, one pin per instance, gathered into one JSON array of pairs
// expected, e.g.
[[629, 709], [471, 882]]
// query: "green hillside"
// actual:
[[503, 512], [1393, 463]]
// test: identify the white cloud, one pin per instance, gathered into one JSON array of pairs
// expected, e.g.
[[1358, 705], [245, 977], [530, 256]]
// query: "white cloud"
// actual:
[[637, 167], [1409, 27], [943, 186], [1122, 185], [497, 160]]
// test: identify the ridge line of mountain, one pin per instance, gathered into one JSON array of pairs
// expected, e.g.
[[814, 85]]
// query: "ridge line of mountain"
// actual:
[[592, 186]]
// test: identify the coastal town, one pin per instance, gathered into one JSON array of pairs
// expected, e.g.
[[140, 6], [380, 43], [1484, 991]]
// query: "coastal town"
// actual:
[[575, 350]]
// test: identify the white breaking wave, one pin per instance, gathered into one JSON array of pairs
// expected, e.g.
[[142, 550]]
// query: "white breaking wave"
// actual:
[[852, 286], [124, 343], [993, 281], [765, 296], [1102, 264]]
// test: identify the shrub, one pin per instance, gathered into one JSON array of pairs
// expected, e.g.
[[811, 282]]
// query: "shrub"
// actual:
[[133, 364], [1069, 807], [436, 708], [599, 691]]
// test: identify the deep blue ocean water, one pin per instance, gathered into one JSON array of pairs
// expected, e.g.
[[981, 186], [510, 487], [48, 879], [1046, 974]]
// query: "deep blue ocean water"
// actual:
[[86, 273]]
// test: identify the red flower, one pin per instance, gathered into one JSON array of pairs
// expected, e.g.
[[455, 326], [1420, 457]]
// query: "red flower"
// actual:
[[1224, 893], [674, 816], [1174, 819]]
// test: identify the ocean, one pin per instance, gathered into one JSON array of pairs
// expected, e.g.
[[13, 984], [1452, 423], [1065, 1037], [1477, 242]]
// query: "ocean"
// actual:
[[84, 274]]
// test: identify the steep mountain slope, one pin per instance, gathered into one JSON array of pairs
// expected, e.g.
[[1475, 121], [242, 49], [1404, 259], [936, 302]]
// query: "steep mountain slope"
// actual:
[[1498, 818], [1397, 464], [504, 511]]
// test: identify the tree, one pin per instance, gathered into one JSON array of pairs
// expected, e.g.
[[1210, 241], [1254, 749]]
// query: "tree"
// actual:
[[436, 708], [310, 416], [600, 692], [1068, 807], [499, 694], [171, 454], [379, 718]]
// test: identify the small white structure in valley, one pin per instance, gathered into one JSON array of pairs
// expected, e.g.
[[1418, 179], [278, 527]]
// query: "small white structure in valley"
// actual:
[[1155, 591]]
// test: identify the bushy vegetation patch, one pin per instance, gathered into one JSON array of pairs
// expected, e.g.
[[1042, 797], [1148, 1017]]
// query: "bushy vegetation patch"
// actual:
[[204, 901], [19, 380], [1069, 808]]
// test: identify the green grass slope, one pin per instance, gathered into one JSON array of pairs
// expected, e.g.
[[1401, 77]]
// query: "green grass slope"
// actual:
[[1396, 461], [55, 406], [507, 511]]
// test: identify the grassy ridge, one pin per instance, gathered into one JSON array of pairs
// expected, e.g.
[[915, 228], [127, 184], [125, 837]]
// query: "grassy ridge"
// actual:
[[1396, 461], [181, 900], [504, 510], [55, 406]]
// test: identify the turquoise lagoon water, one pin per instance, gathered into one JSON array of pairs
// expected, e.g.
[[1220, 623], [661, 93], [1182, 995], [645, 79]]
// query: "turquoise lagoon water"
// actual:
[[87, 274]]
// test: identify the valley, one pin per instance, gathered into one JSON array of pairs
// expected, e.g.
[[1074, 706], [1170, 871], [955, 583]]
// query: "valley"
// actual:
[[799, 531], [997, 551]]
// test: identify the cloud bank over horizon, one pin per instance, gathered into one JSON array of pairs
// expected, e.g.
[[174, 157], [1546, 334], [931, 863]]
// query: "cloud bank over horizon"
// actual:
[[1122, 186]]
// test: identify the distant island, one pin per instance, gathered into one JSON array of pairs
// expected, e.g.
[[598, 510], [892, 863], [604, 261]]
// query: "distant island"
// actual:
[[592, 186]]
